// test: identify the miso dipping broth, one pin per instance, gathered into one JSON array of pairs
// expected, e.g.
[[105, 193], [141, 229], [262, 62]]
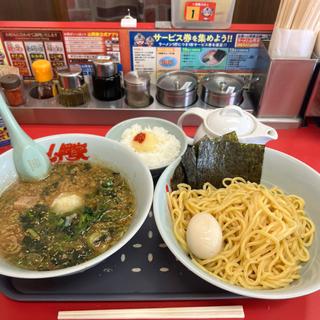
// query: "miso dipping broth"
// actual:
[[75, 214]]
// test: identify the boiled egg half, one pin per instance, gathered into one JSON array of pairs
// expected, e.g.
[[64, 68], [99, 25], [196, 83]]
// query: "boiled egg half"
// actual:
[[66, 202], [204, 236]]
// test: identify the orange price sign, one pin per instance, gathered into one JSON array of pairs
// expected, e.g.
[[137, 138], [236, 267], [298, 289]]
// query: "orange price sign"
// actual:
[[192, 13], [199, 11]]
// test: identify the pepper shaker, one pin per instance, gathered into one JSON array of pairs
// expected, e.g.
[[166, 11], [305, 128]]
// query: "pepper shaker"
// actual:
[[137, 85]]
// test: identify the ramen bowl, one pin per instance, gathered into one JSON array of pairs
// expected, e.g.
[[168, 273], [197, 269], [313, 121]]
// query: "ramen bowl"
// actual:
[[95, 149], [279, 169], [115, 133]]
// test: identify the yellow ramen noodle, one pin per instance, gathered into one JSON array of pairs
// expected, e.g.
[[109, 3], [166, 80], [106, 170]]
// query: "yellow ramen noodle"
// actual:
[[266, 233]]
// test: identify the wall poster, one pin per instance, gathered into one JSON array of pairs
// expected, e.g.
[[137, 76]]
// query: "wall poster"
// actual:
[[24, 47], [200, 52], [83, 46], [21, 48]]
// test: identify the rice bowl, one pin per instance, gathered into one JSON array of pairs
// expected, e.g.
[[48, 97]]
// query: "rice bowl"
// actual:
[[164, 130], [163, 150]]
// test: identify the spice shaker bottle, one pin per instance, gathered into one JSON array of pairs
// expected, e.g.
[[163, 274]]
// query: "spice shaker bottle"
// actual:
[[73, 91], [45, 88], [106, 79], [13, 89], [137, 85]]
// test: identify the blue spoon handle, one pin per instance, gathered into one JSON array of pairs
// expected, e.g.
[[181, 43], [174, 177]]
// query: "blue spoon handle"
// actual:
[[30, 159], [17, 135]]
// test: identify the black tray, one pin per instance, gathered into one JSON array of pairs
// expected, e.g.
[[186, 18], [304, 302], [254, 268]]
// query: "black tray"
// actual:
[[144, 269]]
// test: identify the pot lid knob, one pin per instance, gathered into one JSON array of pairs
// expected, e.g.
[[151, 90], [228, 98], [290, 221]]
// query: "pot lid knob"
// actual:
[[223, 86]]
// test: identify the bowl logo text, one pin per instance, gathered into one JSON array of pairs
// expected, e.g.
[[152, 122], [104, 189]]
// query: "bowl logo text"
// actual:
[[68, 152]]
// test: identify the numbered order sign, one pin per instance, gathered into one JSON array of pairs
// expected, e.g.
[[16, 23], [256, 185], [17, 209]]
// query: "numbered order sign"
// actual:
[[199, 11]]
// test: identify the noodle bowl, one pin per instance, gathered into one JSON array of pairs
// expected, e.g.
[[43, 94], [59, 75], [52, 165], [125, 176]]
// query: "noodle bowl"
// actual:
[[290, 175], [266, 233], [100, 151]]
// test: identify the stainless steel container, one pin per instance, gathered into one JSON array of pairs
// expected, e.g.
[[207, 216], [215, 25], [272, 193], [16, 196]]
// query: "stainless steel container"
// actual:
[[70, 77], [177, 89], [106, 79], [313, 106], [285, 87], [282, 90], [105, 66], [221, 89], [73, 91], [137, 85]]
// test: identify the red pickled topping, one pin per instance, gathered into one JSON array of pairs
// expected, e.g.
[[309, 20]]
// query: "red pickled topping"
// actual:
[[140, 137]]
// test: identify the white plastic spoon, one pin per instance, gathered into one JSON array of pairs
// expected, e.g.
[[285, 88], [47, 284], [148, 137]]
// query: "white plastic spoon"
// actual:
[[30, 159]]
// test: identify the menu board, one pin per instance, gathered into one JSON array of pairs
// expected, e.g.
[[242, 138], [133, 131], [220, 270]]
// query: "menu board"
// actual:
[[83, 46], [24, 47], [21, 48], [199, 52], [3, 58]]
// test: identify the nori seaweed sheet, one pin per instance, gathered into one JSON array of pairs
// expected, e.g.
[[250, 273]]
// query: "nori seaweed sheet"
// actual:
[[231, 136], [209, 159], [249, 162], [179, 176], [186, 171], [227, 159], [212, 160], [189, 163]]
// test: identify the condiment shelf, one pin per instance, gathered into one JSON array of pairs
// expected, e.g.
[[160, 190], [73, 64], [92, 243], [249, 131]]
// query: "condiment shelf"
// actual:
[[143, 270], [97, 112]]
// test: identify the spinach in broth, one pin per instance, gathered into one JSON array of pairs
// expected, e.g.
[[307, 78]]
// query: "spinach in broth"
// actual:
[[37, 236]]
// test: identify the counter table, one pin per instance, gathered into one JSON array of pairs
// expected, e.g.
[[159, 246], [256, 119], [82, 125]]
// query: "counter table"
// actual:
[[302, 143]]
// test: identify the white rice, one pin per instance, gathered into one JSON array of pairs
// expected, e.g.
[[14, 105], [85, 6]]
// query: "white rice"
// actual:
[[167, 148]]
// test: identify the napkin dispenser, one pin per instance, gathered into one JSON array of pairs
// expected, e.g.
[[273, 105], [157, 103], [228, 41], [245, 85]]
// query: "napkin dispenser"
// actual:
[[312, 108], [282, 85]]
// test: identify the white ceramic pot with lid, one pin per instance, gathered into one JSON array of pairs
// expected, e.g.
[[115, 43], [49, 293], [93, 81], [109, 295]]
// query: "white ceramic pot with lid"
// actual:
[[230, 118]]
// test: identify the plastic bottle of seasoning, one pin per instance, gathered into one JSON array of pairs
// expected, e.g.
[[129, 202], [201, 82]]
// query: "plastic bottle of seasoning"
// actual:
[[73, 91], [13, 89], [43, 75], [106, 79]]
